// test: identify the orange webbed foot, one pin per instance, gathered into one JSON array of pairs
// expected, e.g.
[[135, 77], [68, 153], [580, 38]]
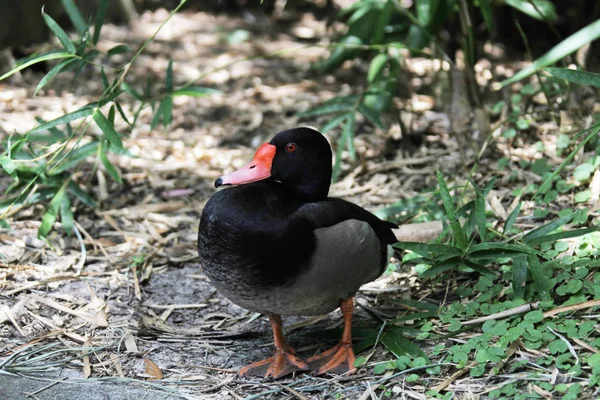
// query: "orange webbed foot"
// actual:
[[281, 364], [337, 360]]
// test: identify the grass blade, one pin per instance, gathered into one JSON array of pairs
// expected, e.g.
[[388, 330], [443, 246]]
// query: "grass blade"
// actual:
[[371, 115], [100, 14], [52, 73], [563, 235], [108, 129], [42, 58], [519, 276], [59, 33], [326, 109], [501, 247], [547, 228], [430, 250], [72, 116], [459, 234], [542, 283], [512, 217], [571, 44], [571, 75]]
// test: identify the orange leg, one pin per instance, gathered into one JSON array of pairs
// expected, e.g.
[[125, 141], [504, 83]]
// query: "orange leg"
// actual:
[[282, 363], [340, 358]]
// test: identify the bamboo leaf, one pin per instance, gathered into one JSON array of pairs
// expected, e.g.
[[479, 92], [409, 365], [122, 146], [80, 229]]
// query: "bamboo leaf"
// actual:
[[333, 123], [59, 33], [326, 109], [377, 64], [571, 44], [110, 168], [118, 49], [371, 115], [51, 213], [196, 91], [542, 10], [167, 111], [571, 75], [66, 215], [74, 15], [82, 195], [42, 58], [486, 11], [72, 116], [52, 73], [169, 78], [74, 157], [108, 129], [100, 14]]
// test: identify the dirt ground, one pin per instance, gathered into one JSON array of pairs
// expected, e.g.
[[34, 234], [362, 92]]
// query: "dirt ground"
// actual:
[[155, 321]]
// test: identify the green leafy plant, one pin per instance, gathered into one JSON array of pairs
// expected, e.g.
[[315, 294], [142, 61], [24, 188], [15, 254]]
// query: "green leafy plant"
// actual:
[[44, 161]]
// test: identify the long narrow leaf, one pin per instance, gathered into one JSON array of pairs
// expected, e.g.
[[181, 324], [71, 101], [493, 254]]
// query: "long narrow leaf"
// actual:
[[510, 220], [571, 44], [72, 116], [59, 33], [486, 11], [563, 235], [74, 15], [542, 283], [82, 195], [75, 157], [66, 215], [110, 168], [52, 73], [169, 77], [100, 14], [547, 228], [196, 91], [348, 135], [501, 247], [571, 75], [459, 234], [108, 129], [401, 346], [519, 276], [428, 249], [42, 58], [333, 123], [51, 213]]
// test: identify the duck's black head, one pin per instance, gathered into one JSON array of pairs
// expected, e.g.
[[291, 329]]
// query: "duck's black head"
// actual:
[[299, 159]]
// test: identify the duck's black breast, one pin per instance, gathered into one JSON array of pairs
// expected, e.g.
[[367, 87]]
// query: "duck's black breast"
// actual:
[[247, 242]]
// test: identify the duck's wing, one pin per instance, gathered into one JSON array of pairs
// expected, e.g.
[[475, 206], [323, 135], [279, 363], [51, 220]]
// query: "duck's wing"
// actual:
[[332, 211]]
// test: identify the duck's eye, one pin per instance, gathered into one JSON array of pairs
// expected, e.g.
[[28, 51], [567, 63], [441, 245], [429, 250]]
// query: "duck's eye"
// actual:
[[291, 147]]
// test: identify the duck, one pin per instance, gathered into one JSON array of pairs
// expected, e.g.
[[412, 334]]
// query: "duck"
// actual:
[[273, 242]]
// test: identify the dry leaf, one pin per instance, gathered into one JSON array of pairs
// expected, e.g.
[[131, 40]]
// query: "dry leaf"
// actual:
[[152, 369]]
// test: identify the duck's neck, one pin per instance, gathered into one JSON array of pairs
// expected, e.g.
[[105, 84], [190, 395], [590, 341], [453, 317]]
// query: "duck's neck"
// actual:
[[308, 191]]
